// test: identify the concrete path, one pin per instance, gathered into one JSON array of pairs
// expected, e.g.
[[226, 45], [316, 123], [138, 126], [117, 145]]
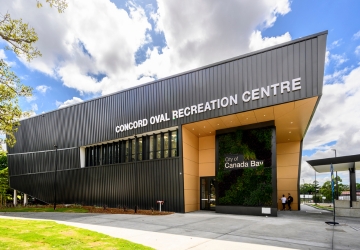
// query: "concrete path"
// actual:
[[209, 230]]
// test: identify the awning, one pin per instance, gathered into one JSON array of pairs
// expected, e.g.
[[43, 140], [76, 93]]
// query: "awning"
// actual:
[[342, 163]]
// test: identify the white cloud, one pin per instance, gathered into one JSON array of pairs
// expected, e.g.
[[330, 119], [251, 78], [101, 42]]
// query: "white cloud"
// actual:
[[336, 120], [94, 51], [327, 57], [337, 76], [72, 101], [42, 88], [30, 98], [34, 107], [357, 50], [338, 59], [258, 42], [356, 35], [3, 56]]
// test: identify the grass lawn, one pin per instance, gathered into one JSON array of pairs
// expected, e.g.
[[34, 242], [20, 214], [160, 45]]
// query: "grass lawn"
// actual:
[[28, 234], [321, 207]]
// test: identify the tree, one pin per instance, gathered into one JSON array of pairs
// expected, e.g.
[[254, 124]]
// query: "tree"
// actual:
[[327, 191], [307, 188], [357, 186], [21, 40], [4, 179]]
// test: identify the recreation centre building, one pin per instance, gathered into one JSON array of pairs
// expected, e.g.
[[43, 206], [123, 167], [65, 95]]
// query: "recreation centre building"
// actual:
[[224, 137]]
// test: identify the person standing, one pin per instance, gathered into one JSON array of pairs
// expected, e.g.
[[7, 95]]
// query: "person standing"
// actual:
[[283, 202], [289, 201]]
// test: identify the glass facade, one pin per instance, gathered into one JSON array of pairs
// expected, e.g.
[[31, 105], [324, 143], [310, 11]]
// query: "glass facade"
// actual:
[[149, 147]]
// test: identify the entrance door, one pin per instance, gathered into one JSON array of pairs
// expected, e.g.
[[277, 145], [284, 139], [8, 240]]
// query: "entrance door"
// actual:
[[207, 193]]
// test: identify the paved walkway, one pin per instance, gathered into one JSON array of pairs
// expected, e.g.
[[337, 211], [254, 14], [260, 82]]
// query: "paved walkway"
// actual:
[[209, 230]]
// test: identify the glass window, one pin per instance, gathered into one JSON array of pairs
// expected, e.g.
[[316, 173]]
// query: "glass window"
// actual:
[[151, 147], [110, 150], [166, 145], [127, 153], [140, 147], [133, 142], [173, 143], [158, 146], [104, 155]]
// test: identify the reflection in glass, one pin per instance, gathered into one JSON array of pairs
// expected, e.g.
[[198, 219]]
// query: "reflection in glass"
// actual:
[[173, 144], [151, 147], [166, 145], [140, 147], [133, 142], [158, 146], [127, 151]]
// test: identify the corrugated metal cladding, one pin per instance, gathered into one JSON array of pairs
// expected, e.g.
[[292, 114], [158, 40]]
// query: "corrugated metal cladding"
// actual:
[[94, 122], [112, 185]]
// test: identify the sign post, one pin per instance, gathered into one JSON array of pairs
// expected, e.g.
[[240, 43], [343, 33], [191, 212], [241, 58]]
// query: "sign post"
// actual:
[[332, 196]]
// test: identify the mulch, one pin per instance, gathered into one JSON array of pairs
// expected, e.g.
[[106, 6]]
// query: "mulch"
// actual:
[[124, 211]]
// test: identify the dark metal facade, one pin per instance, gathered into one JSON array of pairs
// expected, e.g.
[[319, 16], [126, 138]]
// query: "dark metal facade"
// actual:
[[94, 121]]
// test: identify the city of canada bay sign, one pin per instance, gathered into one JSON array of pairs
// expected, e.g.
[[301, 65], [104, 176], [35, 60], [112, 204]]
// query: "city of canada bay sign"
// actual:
[[236, 161], [253, 95]]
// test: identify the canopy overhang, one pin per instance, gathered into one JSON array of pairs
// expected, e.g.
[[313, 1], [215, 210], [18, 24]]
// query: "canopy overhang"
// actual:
[[343, 163]]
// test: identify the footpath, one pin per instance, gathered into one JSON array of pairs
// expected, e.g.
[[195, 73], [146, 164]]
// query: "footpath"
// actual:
[[304, 229]]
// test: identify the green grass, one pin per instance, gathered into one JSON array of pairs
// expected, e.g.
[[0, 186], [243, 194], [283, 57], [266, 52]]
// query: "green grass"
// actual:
[[321, 207], [28, 234], [45, 209]]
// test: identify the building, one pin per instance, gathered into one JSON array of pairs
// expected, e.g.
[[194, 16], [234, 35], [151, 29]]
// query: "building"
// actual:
[[227, 136]]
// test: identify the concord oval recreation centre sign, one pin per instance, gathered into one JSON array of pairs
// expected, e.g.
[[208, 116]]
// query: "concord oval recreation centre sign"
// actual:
[[253, 95]]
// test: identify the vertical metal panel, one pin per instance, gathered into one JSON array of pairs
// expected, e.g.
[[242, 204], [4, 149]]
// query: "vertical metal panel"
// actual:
[[94, 121]]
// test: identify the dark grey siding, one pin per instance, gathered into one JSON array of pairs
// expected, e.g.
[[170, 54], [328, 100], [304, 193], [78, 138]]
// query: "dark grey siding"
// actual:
[[94, 121], [113, 185]]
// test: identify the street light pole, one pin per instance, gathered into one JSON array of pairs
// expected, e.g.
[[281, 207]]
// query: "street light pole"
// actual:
[[55, 146], [336, 178], [315, 187]]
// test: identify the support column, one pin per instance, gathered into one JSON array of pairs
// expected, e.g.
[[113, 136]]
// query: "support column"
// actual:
[[352, 184], [15, 197], [25, 199]]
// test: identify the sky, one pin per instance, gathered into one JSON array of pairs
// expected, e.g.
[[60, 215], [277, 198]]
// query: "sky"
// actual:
[[97, 47]]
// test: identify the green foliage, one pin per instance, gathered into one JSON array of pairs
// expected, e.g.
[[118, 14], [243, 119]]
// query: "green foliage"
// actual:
[[248, 186], [20, 38], [4, 179], [307, 188], [3, 160], [357, 186], [30, 234], [326, 191]]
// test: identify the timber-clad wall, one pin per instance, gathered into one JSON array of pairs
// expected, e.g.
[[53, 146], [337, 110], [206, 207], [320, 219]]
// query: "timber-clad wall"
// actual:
[[113, 185], [94, 121]]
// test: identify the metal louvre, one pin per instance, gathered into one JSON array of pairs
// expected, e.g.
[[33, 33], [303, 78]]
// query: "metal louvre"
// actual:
[[43, 161], [113, 185]]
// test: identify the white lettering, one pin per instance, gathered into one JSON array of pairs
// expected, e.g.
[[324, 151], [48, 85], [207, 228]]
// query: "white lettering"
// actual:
[[255, 94], [130, 125], [244, 98], [233, 100], [265, 91], [193, 109], [273, 86], [181, 113], [285, 85], [187, 111], [200, 108], [152, 120], [144, 122], [226, 103], [296, 84], [117, 129], [174, 114], [213, 103], [207, 106], [166, 117]]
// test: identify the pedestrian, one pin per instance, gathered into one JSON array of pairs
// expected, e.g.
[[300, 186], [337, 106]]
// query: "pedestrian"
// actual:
[[283, 202], [289, 201]]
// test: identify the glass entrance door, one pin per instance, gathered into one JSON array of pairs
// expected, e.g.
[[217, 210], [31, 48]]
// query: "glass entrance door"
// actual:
[[207, 193]]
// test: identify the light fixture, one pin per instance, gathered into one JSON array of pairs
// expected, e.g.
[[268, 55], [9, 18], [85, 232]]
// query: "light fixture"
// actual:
[[193, 129], [218, 124], [204, 126], [247, 118], [291, 122], [210, 132], [264, 115], [289, 132]]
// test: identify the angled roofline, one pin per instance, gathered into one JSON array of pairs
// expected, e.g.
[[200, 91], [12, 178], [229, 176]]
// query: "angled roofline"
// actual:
[[193, 70]]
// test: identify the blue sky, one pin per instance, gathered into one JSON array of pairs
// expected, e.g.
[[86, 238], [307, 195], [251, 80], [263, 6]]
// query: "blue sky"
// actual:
[[98, 47]]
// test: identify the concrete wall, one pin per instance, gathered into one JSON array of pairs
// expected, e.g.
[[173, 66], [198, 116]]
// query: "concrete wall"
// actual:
[[287, 155], [342, 208]]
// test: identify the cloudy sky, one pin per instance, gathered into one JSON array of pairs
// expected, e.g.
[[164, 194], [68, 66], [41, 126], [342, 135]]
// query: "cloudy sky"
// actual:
[[99, 46]]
